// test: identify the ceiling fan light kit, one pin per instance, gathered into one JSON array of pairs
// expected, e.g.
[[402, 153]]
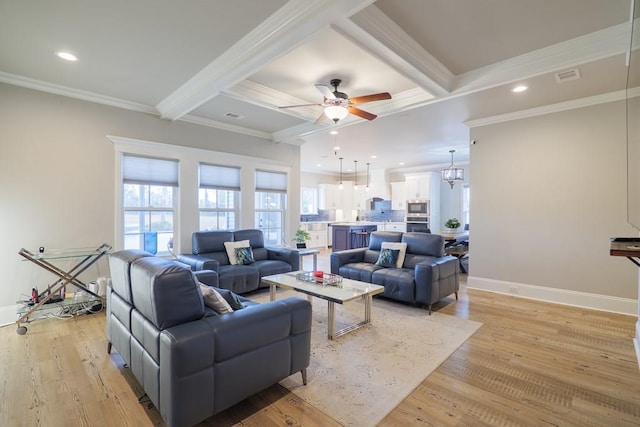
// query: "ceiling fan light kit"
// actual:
[[338, 104]]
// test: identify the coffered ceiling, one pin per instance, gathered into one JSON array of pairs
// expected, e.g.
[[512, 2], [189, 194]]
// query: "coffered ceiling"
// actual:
[[232, 64]]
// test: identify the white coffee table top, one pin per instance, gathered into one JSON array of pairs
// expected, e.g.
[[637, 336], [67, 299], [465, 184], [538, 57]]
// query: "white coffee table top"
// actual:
[[349, 289]]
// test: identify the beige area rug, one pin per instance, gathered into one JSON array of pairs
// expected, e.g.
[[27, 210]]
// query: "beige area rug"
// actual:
[[361, 376]]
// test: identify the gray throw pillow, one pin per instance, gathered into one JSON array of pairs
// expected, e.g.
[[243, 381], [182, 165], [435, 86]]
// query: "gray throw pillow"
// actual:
[[231, 298]]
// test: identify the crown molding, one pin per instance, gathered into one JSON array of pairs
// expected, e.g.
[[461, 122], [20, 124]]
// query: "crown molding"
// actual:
[[580, 50], [377, 33], [554, 108], [83, 95], [283, 31], [190, 118]]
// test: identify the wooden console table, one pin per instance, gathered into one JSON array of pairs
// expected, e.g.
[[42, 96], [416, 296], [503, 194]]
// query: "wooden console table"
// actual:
[[627, 247]]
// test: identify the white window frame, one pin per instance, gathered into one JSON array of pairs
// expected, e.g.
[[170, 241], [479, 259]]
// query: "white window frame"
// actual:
[[219, 178]]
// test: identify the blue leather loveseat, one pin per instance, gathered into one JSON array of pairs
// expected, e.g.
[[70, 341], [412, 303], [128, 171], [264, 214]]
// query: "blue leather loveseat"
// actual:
[[191, 362], [209, 253], [425, 276]]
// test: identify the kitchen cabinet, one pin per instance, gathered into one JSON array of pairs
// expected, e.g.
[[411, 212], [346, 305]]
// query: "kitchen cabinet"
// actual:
[[332, 197], [328, 196], [395, 226], [398, 196], [318, 233], [419, 186]]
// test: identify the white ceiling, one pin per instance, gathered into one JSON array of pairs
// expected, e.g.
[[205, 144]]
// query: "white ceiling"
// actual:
[[444, 63]]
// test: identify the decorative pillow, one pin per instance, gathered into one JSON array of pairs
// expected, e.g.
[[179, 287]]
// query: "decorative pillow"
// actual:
[[244, 255], [231, 298], [214, 300], [388, 257], [230, 247], [396, 245]]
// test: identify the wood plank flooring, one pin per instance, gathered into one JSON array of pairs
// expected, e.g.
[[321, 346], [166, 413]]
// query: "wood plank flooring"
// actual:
[[531, 364]]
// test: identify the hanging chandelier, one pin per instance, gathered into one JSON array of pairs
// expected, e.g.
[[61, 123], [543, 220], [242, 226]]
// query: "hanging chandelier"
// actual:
[[451, 174]]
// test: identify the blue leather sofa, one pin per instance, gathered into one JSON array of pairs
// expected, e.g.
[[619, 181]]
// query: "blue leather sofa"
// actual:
[[427, 274], [191, 362], [209, 253]]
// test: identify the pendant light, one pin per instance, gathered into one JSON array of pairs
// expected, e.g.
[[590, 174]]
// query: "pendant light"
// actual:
[[340, 186], [367, 187], [355, 166], [451, 174]]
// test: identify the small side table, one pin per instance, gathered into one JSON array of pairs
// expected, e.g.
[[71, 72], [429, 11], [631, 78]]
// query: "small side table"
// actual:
[[458, 251], [305, 252]]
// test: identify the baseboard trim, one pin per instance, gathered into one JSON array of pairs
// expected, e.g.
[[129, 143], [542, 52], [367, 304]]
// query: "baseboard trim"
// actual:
[[558, 296], [8, 315], [636, 342]]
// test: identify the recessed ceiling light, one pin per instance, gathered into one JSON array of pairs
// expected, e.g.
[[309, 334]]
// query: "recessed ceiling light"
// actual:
[[519, 88], [401, 163], [336, 148], [67, 56], [374, 157], [319, 165], [334, 132]]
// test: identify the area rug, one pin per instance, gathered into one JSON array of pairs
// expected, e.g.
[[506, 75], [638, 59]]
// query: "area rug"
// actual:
[[361, 376]]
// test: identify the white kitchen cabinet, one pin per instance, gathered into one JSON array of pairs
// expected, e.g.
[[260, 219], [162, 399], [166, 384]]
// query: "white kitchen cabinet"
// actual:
[[419, 186], [395, 226], [318, 233], [398, 196], [328, 196]]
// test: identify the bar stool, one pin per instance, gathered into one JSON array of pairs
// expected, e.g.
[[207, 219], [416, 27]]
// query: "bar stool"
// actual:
[[360, 239]]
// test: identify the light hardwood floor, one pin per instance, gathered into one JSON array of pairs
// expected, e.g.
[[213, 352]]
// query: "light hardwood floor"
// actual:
[[532, 363]]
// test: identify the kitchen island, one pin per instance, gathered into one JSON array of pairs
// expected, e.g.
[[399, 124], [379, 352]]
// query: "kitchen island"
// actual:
[[351, 235]]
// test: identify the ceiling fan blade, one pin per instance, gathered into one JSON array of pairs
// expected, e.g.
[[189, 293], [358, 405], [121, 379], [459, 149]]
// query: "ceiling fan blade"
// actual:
[[325, 91], [370, 98], [301, 105], [361, 113]]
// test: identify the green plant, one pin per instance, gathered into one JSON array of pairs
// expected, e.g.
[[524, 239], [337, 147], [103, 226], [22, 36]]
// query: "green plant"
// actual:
[[301, 236], [452, 223]]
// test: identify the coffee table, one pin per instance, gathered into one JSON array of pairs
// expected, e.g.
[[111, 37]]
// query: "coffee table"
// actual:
[[348, 290]]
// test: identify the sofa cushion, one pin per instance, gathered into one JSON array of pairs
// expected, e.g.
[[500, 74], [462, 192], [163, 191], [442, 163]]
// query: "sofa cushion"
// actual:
[[271, 266], [204, 242], [361, 271], [424, 244], [235, 301], [214, 300], [401, 247], [388, 257], [231, 247], [378, 237], [239, 278], [399, 283]]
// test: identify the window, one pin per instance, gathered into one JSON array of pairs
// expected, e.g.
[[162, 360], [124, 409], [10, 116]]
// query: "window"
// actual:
[[149, 187], [218, 197], [466, 194], [271, 202], [309, 201]]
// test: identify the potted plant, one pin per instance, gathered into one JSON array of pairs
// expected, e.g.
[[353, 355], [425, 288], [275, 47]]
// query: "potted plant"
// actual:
[[301, 237], [452, 224]]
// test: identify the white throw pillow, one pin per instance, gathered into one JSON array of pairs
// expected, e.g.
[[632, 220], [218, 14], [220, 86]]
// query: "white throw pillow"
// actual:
[[230, 247], [396, 245], [213, 299]]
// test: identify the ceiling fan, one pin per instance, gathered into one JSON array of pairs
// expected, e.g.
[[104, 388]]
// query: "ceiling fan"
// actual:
[[338, 104]]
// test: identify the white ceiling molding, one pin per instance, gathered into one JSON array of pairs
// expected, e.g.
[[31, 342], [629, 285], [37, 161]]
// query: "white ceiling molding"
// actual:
[[83, 95], [554, 108], [571, 53], [401, 51], [190, 118], [263, 96], [283, 31]]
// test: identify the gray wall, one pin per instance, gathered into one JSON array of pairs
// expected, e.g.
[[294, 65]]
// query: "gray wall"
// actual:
[[57, 176], [547, 194]]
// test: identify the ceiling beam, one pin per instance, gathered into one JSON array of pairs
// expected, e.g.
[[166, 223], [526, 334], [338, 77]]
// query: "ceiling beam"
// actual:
[[286, 29]]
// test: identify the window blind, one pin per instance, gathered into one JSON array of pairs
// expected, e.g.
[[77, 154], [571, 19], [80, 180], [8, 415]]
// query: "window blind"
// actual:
[[149, 171], [219, 177], [273, 182]]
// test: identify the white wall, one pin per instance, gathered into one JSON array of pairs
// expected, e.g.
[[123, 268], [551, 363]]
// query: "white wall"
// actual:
[[547, 194], [57, 177]]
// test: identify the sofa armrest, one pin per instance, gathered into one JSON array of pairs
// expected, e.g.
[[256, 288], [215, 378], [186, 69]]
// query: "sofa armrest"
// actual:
[[199, 262], [208, 277], [436, 279], [340, 258], [288, 255]]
